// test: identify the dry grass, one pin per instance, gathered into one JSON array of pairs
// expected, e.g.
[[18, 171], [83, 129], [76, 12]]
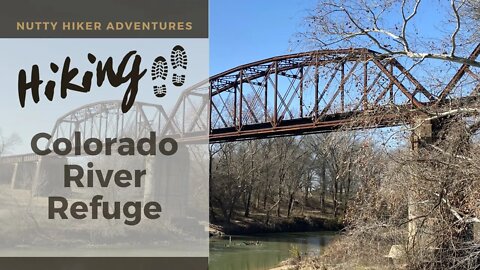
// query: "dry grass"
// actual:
[[349, 252]]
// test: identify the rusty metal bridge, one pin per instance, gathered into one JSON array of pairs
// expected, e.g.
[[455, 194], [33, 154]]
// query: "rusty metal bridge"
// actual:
[[317, 91], [322, 91]]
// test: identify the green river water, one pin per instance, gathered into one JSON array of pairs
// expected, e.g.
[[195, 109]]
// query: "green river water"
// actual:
[[245, 253]]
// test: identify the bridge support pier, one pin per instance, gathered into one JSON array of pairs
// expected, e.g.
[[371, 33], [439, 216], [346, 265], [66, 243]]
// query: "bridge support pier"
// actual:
[[48, 177], [425, 132], [151, 178], [13, 181], [432, 141], [167, 181]]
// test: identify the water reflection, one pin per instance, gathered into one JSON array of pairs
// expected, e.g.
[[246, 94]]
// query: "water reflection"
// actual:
[[245, 253]]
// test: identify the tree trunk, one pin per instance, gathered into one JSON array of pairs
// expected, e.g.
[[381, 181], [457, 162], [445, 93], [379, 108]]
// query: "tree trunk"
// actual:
[[347, 194], [223, 208], [265, 197], [335, 198], [291, 200], [279, 207], [230, 212], [323, 191], [341, 196], [248, 202], [307, 191], [268, 212]]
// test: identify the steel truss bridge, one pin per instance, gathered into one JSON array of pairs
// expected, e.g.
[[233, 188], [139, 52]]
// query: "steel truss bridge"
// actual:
[[321, 91], [317, 91]]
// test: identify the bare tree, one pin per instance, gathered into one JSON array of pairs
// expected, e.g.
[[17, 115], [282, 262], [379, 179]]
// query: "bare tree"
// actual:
[[8, 142], [397, 27]]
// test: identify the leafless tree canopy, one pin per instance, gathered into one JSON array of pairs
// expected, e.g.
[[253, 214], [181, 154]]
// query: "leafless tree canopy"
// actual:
[[8, 142], [418, 192], [419, 29]]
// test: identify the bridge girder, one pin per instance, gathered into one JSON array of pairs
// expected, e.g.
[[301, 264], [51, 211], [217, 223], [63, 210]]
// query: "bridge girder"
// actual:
[[321, 91], [317, 91], [105, 119]]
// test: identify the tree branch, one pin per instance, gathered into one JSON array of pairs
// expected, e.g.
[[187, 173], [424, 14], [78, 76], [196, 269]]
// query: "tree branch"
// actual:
[[457, 27]]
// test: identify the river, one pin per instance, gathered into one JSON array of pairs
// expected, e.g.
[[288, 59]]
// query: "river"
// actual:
[[245, 253]]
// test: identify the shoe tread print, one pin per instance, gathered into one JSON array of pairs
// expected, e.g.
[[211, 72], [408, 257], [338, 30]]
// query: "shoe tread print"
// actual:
[[179, 57], [160, 91], [159, 68], [178, 80], [179, 60]]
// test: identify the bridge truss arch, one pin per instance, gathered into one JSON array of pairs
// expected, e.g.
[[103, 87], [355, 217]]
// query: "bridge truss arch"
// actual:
[[105, 119], [317, 91], [320, 91]]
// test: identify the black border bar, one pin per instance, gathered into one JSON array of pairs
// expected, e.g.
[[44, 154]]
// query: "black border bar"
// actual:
[[104, 263], [178, 12]]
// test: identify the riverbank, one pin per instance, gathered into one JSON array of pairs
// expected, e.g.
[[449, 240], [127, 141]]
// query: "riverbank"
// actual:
[[264, 251], [247, 226], [285, 265], [346, 252], [312, 263], [307, 263]]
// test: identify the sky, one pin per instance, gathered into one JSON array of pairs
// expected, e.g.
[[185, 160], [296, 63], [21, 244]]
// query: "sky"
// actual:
[[250, 30], [246, 31], [240, 32], [41, 117]]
